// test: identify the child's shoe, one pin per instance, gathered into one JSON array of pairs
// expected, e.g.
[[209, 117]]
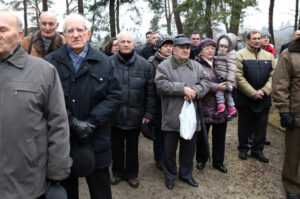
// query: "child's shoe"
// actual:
[[231, 113], [221, 111]]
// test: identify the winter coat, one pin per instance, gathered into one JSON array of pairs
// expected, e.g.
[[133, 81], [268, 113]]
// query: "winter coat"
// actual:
[[147, 51], [93, 93], [209, 101], [194, 52], [171, 77], [225, 63], [34, 132], [137, 77], [255, 68], [38, 48], [286, 81]]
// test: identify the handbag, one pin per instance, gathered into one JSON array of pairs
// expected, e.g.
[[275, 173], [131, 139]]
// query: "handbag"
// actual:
[[148, 131]]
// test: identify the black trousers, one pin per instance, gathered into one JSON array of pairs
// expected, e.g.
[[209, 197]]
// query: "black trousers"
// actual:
[[186, 155], [125, 166], [98, 183], [218, 144], [250, 121]]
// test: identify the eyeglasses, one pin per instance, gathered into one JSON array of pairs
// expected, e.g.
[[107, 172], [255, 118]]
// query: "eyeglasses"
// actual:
[[50, 24], [71, 30], [209, 48]]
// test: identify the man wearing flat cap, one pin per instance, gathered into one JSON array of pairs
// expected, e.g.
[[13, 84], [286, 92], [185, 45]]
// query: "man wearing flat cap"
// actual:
[[178, 79]]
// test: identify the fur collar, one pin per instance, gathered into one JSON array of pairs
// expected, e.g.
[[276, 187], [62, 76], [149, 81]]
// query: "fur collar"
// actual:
[[295, 46], [38, 44]]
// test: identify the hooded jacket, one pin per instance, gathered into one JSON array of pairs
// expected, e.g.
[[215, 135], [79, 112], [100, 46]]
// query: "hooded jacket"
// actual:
[[225, 63], [286, 81]]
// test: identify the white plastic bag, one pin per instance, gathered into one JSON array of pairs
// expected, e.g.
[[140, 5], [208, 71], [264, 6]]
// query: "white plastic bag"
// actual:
[[188, 121]]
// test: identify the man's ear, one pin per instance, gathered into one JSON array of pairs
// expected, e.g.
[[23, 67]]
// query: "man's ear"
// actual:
[[21, 35]]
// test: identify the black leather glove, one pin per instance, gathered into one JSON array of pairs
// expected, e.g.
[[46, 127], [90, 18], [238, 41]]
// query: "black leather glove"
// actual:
[[287, 120], [82, 129]]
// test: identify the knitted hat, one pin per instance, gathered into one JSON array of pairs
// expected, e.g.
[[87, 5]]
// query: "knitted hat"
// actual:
[[224, 42], [265, 34], [205, 42]]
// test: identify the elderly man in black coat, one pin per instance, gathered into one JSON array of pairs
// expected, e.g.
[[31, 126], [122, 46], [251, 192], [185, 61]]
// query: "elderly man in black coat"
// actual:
[[93, 95], [137, 77]]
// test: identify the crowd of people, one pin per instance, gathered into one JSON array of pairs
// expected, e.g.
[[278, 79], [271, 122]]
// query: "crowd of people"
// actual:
[[68, 110]]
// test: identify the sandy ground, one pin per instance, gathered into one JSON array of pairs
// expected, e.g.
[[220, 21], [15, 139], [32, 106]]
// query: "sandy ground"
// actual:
[[245, 179]]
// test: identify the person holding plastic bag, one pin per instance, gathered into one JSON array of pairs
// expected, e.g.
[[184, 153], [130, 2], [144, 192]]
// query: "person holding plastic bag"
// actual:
[[205, 58], [179, 79]]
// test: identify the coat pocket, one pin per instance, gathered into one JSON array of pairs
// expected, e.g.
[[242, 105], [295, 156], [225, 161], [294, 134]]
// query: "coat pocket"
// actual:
[[100, 84]]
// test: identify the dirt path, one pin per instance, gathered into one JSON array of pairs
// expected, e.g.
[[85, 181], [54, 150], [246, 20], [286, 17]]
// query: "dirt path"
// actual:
[[245, 179]]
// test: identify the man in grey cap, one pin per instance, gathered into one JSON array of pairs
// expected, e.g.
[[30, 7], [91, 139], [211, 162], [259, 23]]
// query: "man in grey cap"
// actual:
[[178, 79]]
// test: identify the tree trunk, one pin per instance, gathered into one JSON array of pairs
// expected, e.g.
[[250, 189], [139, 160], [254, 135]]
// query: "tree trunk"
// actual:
[[235, 16], [37, 11], [45, 5], [112, 20], [67, 7], [296, 16], [93, 22], [118, 16], [207, 19], [271, 8], [168, 15], [177, 17], [25, 18], [80, 7]]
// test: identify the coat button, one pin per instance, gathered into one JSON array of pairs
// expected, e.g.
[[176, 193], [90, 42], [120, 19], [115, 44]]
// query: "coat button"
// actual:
[[101, 79], [73, 80], [73, 100]]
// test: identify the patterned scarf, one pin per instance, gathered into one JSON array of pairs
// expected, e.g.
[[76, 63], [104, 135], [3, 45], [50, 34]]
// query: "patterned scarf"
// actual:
[[78, 58]]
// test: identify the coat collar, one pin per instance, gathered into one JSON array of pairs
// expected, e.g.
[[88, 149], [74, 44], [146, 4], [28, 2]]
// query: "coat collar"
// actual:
[[253, 50], [176, 63], [38, 43], [295, 46], [18, 58], [131, 60]]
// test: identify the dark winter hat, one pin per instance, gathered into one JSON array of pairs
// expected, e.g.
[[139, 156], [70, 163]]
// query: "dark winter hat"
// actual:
[[205, 42], [55, 191], [180, 40], [163, 39], [83, 160]]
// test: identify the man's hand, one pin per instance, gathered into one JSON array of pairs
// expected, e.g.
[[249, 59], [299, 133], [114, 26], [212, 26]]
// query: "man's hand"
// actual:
[[145, 120], [189, 93], [82, 129], [287, 120]]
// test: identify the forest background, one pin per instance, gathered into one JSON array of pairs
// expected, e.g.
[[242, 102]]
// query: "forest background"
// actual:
[[209, 17]]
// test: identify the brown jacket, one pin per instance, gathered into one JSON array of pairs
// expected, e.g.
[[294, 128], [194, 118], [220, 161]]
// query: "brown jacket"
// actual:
[[38, 49], [286, 81], [34, 130]]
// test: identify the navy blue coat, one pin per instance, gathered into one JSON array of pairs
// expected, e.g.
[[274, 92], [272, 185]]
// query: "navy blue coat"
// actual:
[[92, 93]]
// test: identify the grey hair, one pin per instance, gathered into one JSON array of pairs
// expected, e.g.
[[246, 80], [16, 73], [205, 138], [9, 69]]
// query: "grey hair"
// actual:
[[124, 33], [76, 16], [19, 22], [48, 12]]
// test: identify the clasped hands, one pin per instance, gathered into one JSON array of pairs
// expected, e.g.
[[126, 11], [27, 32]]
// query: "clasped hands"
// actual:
[[189, 94]]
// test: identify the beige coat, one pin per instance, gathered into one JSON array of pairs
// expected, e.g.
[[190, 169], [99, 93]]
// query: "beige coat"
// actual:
[[34, 132], [286, 81]]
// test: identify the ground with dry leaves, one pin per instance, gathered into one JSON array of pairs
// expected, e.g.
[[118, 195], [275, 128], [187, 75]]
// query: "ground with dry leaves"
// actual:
[[245, 179]]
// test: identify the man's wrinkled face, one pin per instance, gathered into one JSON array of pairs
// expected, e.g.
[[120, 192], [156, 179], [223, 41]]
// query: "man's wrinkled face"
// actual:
[[182, 52], [195, 39], [76, 34], [254, 40], [155, 36], [48, 25], [126, 44], [265, 41], [10, 36], [149, 38]]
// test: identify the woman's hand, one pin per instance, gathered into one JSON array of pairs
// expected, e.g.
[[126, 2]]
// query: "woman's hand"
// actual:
[[222, 86]]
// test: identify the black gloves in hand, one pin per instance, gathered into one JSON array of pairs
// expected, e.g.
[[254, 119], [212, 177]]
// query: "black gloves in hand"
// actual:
[[82, 129], [287, 120]]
